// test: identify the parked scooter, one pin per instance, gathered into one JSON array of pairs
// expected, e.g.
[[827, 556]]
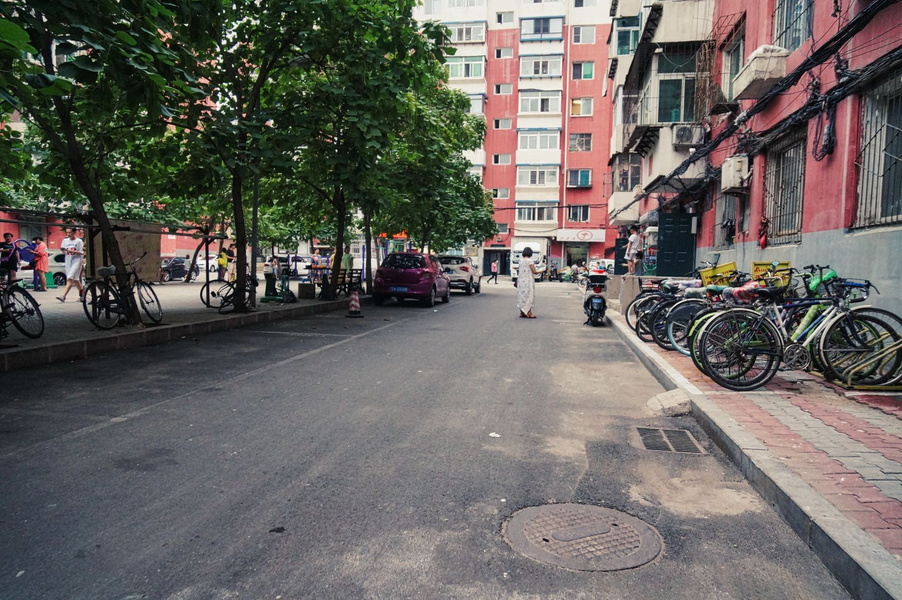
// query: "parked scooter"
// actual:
[[594, 304]]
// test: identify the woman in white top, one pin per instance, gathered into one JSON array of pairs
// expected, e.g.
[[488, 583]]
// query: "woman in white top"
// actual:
[[74, 248]]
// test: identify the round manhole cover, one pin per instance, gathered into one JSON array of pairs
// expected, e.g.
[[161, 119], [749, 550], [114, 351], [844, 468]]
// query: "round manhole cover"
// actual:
[[583, 537]]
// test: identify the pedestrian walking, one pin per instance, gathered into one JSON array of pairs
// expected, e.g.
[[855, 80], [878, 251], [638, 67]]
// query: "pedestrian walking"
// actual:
[[222, 264], [74, 249], [9, 257], [494, 269], [526, 284], [41, 264]]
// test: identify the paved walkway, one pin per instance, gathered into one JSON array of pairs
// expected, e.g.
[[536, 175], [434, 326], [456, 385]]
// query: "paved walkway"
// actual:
[[828, 459], [68, 335]]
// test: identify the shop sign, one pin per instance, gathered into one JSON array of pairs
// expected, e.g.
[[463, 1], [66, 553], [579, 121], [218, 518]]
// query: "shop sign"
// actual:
[[580, 235]]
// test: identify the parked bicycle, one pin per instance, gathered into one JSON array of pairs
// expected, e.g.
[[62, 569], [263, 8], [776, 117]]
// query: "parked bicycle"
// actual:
[[106, 305], [220, 294], [19, 309]]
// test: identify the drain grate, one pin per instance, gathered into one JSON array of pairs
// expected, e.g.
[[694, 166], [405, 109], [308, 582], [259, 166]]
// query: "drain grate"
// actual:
[[669, 440], [583, 537]]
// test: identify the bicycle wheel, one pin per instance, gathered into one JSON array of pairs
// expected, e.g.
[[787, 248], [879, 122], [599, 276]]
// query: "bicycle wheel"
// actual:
[[859, 348], [891, 319], [22, 310], [678, 320], [211, 293], [659, 323], [637, 306], [740, 350], [102, 304], [147, 297], [695, 330]]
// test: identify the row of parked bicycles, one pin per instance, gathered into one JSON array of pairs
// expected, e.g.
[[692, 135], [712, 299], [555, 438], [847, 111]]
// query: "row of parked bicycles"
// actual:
[[743, 330]]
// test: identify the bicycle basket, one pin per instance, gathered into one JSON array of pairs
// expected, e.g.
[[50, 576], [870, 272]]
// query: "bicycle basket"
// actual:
[[106, 271]]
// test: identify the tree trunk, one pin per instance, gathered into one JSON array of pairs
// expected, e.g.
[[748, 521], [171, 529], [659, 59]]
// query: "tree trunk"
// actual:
[[341, 210], [240, 244], [368, 241]]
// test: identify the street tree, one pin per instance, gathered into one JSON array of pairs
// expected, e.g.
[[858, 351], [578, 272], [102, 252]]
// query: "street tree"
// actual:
[[94, 80]]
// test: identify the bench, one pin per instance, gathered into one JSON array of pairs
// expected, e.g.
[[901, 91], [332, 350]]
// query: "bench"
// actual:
[[347, 282]]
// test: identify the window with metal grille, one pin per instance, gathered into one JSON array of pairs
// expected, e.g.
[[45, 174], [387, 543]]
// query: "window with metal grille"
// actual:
[[629, 172], [580, 142], [784, 186], [725, 221], [578, 214], [880, 160], [792, 22], [529, 175]]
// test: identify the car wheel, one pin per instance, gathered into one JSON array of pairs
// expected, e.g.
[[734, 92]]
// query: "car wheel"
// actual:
[[447, 297], [59, 279], [378, 300], [167, 276], [477, 287], [468, 287], [429, 300]]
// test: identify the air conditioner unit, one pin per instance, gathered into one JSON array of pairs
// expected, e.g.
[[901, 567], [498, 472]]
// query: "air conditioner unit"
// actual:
[[734, 174], [688, 136]]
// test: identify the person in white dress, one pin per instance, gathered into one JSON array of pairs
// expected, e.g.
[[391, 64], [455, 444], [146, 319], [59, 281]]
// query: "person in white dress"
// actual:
[[526, 284], [74, 249]]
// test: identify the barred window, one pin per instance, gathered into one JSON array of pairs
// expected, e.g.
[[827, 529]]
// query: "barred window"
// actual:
[[880, 161], [792, 22], [580, 142], [725, 221], [784, 185]]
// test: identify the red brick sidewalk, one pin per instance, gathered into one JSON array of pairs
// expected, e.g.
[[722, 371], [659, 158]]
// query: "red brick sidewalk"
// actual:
[[845, 445]]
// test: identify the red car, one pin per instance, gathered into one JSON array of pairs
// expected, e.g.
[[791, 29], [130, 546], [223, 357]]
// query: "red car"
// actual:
[[411, 275]]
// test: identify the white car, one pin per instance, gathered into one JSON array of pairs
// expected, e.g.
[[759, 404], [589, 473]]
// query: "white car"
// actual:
[[57, 265], [463, 272]]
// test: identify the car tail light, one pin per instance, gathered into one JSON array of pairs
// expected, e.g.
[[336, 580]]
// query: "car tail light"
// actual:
[[425, 275], [597, 289], [464, 268]]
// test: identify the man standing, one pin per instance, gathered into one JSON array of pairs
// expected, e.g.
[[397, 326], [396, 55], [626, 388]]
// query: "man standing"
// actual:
[[9, 257], [347, 260], [74, 249], [494, 269], [632, 246]]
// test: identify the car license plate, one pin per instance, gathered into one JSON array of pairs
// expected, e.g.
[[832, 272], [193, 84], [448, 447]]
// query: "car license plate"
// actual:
[[398, 289]]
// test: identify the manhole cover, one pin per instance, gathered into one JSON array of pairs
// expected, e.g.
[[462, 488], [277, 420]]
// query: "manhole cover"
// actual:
[[583, 537]]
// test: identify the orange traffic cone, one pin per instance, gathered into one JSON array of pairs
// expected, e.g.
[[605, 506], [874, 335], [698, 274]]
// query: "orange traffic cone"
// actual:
[[354, 306]]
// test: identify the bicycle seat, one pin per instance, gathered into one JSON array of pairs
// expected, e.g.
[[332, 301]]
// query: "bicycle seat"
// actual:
[[715, 289], [107, 271], [769, 294]]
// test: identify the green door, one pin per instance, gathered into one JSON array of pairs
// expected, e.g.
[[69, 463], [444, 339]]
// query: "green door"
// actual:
[[676, 245]]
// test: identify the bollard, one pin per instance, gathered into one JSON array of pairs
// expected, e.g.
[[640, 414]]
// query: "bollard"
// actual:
[[354, 306]]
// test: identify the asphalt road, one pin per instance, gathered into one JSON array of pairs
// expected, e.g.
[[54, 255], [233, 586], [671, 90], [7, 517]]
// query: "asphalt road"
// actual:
[[329, 457]]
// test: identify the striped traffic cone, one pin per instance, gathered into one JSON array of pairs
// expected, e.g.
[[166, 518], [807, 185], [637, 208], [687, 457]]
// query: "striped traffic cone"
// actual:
[[354, 306]]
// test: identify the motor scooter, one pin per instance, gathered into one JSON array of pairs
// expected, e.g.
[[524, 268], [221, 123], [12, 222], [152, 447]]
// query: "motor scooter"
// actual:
[[594, 304]]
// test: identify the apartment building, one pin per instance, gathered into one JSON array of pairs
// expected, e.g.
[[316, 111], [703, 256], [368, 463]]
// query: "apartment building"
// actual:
[[535, 69], [749, 132]]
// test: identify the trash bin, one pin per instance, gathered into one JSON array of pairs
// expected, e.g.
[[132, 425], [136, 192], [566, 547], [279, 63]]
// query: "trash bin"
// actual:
[[270, 285]]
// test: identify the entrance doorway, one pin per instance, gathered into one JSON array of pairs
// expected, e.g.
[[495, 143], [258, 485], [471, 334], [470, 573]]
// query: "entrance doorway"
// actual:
[[502, 256], [577, 254]]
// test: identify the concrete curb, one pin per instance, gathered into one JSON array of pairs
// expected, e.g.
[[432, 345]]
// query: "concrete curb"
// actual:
[[860, 563], [83, 348]]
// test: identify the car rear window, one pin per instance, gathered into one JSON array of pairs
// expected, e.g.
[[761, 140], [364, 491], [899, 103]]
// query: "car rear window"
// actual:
[[404, 261], [452, 260]]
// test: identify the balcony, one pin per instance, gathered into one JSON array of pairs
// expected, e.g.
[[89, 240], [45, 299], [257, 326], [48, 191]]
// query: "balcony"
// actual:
[[763, 69], [618, 213]]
